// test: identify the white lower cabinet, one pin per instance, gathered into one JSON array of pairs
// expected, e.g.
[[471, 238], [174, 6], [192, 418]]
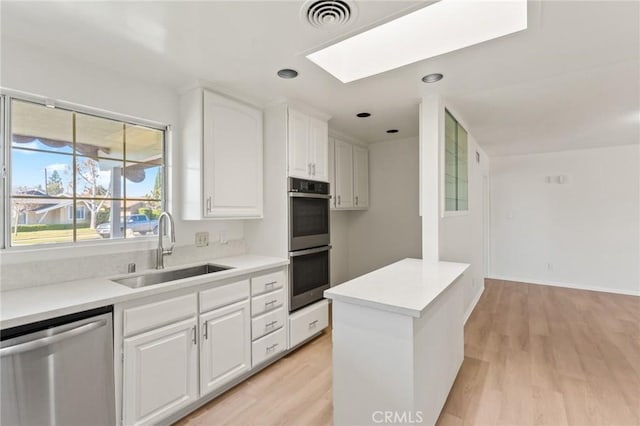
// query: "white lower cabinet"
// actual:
[[179, 348], [160, 372], [268, 317], [225, 348], [265, 324], [268, 346], [308, 322]]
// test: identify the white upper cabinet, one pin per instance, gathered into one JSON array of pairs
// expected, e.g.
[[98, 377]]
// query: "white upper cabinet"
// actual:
[[308, 140], [351, 181], [360, 177], [222, 153], [319, 143], [299, 149], [332, 172], [344, 175]]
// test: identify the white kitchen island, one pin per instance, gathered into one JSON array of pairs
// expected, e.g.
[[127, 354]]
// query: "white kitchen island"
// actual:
[[397, 343]]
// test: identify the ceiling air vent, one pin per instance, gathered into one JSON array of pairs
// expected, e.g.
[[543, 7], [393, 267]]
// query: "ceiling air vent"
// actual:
[[328, 13]]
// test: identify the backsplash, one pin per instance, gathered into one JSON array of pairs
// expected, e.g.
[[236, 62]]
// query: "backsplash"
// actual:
[[32, 274]]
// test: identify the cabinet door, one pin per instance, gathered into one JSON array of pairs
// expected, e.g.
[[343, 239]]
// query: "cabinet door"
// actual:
[[225, 345], [344, 175], [332, 172], [299, 150], [319, 143], [232, 158], [160, 373], [361, 177]]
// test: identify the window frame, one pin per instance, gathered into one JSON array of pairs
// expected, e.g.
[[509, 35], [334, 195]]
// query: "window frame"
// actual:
[[6, 98], [443, 159]]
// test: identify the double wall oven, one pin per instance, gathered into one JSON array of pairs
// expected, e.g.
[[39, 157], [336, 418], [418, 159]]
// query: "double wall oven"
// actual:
[[308, 241]]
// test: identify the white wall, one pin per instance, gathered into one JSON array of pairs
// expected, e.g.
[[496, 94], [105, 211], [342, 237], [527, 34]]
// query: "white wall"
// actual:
[[462, 237], [339, 260], [584, 233], [390, 230], [30, 69]]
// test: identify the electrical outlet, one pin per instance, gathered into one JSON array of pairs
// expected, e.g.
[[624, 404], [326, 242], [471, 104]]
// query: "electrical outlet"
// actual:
[[549, 267], [202, 239], [223, 237]]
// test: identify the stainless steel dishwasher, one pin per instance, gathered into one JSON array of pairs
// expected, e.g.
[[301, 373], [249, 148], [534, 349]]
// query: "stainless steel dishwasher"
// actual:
[[59, 371]]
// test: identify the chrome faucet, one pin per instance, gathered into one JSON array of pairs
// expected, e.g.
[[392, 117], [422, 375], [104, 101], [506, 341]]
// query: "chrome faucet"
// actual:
[[160, 251]]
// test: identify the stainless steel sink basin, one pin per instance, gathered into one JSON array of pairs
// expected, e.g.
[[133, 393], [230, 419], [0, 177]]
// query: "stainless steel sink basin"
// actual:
[[159, 277]]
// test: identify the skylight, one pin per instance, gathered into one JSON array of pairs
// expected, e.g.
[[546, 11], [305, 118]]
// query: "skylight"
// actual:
[[439, 28]]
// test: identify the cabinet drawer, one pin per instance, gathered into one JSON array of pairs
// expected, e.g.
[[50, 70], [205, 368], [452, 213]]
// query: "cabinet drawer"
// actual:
[[267, 323], [156, 314], [308, 321], [223, 295], [268, 282], [266, 302], [266, 347]]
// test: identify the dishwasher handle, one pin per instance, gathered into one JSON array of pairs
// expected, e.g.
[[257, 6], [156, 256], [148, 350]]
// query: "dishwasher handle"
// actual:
[[50, 340]]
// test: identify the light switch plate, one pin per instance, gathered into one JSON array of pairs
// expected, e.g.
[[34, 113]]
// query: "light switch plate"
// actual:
[[202, 239]]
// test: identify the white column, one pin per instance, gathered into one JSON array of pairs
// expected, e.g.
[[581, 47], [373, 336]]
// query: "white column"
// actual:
[[431, 123]]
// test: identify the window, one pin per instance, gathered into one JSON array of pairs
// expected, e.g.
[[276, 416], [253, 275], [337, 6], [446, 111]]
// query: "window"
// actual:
[[79, 213], [456, 170], [75, 176]]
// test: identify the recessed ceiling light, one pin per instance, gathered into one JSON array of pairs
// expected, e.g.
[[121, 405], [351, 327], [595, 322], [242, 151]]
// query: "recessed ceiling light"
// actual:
[[287, 73], [392, 131], [422, 34], [432, 78], [363, 114]]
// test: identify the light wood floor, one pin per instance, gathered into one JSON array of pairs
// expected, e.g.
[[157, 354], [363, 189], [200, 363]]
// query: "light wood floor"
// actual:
[[534, 355]]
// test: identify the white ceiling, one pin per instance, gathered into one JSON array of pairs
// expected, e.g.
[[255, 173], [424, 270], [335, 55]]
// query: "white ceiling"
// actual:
[[571, 80]]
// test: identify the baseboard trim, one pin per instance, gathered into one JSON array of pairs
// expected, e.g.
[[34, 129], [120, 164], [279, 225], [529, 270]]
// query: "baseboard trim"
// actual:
[[473, 304], [566, 285]]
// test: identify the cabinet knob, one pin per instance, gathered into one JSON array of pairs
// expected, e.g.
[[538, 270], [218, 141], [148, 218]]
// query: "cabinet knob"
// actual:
[[356, 200], [339, 201]]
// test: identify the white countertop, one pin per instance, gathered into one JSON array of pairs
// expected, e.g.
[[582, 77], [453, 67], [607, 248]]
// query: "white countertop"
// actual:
[[23, 306], [406, 287]]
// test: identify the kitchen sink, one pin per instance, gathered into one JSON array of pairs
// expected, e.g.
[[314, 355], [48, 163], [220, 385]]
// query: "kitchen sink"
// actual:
[[159, 277]]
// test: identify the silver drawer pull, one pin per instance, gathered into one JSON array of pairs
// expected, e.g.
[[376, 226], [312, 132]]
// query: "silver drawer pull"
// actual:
[[270, 324], [313, 324], [271, 303], [272, 347], [271, 284]]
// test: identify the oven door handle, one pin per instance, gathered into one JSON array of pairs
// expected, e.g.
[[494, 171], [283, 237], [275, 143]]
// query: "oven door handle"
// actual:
[[309, 251], [307, 195]]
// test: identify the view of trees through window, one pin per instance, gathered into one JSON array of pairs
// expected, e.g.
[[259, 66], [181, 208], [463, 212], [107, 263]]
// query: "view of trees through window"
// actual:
[[77, 177]]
